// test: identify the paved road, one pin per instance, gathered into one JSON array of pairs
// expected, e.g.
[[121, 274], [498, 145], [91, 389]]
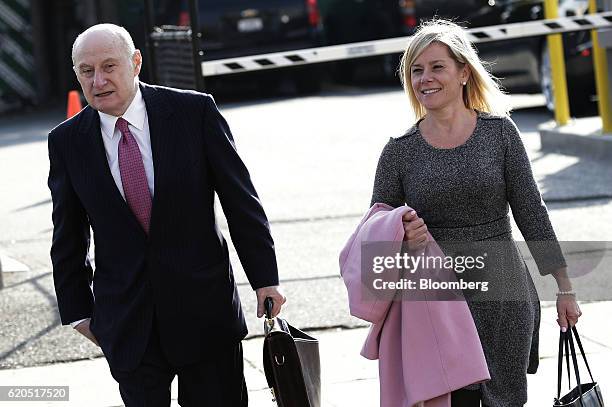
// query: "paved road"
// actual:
[[312, 160]]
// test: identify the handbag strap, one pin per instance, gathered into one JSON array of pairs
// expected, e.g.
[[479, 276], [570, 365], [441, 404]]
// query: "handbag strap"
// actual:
[[575, 331], [563, 349], [575, 363], [566, 345], [559, 366], [567, 362], [579, 342]]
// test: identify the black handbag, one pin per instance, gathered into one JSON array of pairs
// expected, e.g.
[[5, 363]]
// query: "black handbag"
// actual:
[[291, 363], [584, 394]]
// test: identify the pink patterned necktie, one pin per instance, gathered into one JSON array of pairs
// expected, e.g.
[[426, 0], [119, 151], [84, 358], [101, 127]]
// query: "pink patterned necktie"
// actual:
[[133, 176]]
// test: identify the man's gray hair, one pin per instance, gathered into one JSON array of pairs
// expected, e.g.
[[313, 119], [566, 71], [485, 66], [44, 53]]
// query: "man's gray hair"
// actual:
[[121, 35]]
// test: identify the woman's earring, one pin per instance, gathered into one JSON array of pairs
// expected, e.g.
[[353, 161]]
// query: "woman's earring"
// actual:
[[464, 83]]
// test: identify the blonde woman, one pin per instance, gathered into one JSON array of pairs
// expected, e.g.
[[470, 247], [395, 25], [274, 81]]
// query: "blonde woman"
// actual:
[[460, 167]]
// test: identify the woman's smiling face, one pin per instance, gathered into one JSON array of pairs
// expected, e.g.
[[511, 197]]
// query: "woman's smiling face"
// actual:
[[437, 79]]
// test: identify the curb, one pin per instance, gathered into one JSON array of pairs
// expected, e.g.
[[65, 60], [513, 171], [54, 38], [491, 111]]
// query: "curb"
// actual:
[[577, 140]]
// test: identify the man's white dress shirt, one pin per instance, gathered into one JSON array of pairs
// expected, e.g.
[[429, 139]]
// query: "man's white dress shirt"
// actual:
[[136, 116]]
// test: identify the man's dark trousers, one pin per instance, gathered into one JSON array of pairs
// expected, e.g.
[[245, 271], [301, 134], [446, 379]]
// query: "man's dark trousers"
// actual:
[[217, 380]]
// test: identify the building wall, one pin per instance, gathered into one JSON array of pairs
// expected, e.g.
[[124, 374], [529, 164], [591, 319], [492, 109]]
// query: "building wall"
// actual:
[[17, 77], [36, 39]]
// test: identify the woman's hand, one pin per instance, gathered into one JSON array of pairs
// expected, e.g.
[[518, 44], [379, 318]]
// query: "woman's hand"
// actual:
[[415, 231], [568, 311]]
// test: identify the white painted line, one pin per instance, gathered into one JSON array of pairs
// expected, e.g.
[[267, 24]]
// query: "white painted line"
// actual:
[[10, 265]]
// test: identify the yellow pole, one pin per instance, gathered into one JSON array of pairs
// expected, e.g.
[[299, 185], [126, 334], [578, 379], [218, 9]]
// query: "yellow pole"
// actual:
[[557, 64], [600, 64]]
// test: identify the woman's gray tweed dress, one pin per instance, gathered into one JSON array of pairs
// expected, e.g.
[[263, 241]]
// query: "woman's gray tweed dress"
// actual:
[[463, 194]]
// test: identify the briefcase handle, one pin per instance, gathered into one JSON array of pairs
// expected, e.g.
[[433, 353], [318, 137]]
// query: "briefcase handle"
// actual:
[[268, 304], [269, 323]]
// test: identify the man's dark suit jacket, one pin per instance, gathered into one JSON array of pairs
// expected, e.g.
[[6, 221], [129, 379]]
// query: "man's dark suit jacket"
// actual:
[[180, 274]]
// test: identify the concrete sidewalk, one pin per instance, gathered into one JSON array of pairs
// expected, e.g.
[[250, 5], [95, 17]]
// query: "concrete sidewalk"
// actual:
[[348, 379]]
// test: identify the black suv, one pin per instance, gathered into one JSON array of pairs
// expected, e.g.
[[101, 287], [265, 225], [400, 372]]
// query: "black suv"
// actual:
[[522, 64], [232, 28], [346, 21]]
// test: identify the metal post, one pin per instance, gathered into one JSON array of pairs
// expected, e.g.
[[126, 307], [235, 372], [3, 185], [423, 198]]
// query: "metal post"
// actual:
[[1, 281], [557, 63], [196, 35], [149, 48], [600, 64]]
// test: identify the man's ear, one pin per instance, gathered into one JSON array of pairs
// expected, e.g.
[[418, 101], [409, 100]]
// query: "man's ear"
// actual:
[[137, 62]]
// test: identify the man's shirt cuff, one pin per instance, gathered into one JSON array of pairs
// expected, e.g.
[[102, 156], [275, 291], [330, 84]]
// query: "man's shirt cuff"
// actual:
[[75, 323]]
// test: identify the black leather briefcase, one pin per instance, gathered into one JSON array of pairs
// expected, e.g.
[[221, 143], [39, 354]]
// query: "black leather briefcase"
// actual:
[[291, 363]]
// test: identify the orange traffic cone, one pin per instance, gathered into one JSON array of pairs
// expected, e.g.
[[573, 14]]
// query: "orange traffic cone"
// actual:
[[74, 103]]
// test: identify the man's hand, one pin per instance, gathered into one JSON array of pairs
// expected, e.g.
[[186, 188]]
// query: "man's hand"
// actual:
[[83, 329], [272, 292]]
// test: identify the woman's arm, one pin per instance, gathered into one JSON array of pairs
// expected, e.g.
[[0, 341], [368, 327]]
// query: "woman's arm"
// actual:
[[528, 208], [532, 218]]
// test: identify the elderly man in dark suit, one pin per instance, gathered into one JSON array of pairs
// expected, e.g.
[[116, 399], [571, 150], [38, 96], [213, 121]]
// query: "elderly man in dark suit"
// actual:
[[140, 166]]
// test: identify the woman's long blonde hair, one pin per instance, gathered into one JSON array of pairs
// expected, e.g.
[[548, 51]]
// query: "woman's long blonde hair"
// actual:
[[482, 91]]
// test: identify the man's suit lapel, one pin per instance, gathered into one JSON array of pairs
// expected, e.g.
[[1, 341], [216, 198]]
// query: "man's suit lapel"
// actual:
[[160, 128], [94, 156]]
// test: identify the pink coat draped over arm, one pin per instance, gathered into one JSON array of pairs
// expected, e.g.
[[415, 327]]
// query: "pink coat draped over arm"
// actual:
[[426, 349]]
